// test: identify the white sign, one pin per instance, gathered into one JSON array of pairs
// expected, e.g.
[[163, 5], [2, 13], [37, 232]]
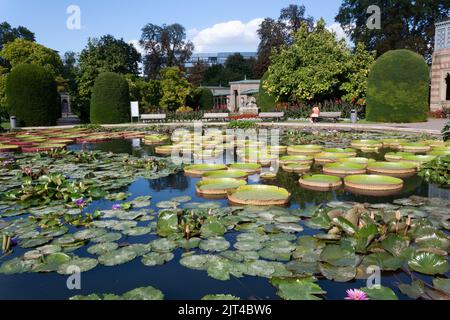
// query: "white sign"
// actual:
[[135, 109]]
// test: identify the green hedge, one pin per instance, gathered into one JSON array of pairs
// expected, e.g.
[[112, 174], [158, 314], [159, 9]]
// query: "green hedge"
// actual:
[[110, 101], [265, 101], [398, 88], [32, 96]]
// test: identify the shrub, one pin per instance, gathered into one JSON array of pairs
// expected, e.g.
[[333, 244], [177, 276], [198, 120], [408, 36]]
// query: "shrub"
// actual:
[[32, 96], [206, 99], [398, 88], [184, 110], [265, 101], [437, 171], [242, 124], [110, 101], [446, 132]]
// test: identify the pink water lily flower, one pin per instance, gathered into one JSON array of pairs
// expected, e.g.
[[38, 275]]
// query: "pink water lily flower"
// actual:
[[355, 294], [116, 207]]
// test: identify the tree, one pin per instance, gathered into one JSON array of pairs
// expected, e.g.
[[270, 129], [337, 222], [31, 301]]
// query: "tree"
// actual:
[[404, 24], [9, 34], [165, 46], [32, 95], [175, 88], [274, 34], [398, 88], [315, 67], [238, 67], [293, 17], [197, 73], [110, 102], [106, 54], [22, 51]]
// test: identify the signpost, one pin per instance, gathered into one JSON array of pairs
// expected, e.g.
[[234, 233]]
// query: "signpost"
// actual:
[[134, 110]]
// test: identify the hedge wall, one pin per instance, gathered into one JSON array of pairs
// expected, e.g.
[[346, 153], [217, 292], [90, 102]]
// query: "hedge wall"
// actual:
[[398, 88], [110, 101], [32, 96]]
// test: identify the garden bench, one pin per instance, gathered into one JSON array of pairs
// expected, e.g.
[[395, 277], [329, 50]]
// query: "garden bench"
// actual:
[[216, 116], [153, 117], [271, 115], [334, 116]]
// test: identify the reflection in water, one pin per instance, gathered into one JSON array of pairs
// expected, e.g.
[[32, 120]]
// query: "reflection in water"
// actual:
[[177, 181]]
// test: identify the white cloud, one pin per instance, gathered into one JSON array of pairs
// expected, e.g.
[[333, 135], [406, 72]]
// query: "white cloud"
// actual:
[[340, 33], [227, 36]]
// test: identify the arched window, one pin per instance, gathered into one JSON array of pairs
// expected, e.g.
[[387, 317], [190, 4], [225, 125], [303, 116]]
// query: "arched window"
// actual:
[[447, 82]]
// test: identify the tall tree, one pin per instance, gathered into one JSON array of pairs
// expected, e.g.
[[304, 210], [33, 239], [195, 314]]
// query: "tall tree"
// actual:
[[274, 34], [405, 24], [294, 16], [9, 34], [197, 73], [238, 67], [165, 46], [106, 54]]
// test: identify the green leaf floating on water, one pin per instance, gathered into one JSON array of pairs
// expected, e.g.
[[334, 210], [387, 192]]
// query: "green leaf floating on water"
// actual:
[[442, 285], [52, 262], [212, 227], [220, 297], [156, 259], [298, 289], [16, 266], [117, 257], [384, 260], [77, 264], [216, 244], [380, 293], [414, 290], [167, 223], [338, 255], [395, 244], [429, 263]]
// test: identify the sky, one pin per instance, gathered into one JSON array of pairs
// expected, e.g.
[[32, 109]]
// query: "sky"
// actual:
[[213, 26]]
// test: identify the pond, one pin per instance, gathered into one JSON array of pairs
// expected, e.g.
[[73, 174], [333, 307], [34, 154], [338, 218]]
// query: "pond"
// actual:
[[176, 281]]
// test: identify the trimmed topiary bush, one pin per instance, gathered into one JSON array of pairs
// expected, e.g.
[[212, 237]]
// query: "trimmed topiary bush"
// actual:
[[206, 99], [265, 101], [32, 96], [398, 88], [110, 101]]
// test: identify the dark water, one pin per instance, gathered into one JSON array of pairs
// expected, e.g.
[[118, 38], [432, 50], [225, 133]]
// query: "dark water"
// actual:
[[174, 280]]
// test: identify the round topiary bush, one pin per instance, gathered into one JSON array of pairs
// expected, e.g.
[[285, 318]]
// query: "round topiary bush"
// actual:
[[265, 101], [32, 96], [110, 101], [398, 88]]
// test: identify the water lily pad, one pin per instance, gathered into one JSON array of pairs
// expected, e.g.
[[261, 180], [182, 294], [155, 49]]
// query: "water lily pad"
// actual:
[[234, 174], [218, 186], [338, 255], [429, 263], [442, 284], [383, 260], [107, 237], [87, 234], [167, 204], [147, 293], [167, 223], [212, 227], [298, 289], [163, 245], [16, 266], [220, 297], [81, 265], [216, 244], [338, 274], [117, 257], [52, 262], [196, 262], [414, 291], [156, 259], [395, 244], [102, 248], [380, 293], [137, 231], [260, 195]]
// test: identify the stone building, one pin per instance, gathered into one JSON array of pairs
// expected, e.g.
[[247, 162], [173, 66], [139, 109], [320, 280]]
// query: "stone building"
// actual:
[[440, 72]]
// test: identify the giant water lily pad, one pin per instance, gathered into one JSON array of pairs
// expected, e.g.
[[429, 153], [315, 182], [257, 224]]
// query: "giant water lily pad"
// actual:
[[200, 169], [234, 174], [429, 263], [260, 195], [298, 289], [247, 167], [218, 186]]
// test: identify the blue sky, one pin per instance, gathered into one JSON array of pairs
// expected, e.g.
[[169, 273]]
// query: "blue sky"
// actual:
[[225, 25]]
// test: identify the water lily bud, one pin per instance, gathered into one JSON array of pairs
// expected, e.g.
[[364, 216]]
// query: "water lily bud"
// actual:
[[398, 215]]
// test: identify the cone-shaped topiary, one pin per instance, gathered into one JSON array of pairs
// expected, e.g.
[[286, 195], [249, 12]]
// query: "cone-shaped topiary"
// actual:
[[265, 101], [206, 99], [32, 96], [110, 101], [398, 88]]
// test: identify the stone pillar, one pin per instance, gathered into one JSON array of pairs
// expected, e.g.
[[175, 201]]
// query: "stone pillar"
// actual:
[[440, 68]]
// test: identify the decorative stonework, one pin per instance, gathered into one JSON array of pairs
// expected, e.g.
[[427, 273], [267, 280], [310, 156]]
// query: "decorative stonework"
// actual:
[[440, 70]]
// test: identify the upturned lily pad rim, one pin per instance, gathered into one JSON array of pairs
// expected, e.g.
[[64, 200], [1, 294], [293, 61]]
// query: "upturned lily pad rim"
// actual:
[[357, 160], [392, 166], [200, 169], [239, 198], [345, 166], [249, 167]]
